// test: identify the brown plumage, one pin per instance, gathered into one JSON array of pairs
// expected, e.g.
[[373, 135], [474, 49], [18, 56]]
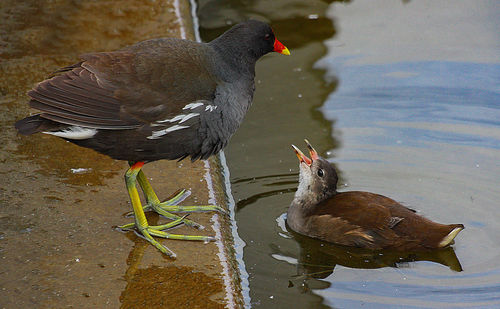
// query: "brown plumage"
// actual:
[[358, 219]]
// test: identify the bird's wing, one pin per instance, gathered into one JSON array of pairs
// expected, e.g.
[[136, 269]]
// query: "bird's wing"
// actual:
[[123, 89], [359, 208], [339, 230]]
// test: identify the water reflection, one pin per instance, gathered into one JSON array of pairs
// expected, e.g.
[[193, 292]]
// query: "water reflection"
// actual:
[[166, 286], [289, 18], [318, 259], [59, 158]]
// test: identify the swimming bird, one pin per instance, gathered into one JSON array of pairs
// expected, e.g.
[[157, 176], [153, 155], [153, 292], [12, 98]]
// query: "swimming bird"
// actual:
[[356, 218]]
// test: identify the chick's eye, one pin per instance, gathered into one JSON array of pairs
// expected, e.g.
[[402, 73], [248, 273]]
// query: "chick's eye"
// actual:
[[321, 173], [267, 37]]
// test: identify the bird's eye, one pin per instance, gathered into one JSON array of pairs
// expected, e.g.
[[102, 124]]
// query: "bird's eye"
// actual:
[[321, 173], [267, 37]]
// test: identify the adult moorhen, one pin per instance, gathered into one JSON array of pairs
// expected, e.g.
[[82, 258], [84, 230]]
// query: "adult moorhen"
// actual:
[[358, 219], [159, 99]]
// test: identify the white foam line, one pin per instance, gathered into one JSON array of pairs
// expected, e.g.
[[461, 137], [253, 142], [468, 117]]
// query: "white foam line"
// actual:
[[239, 244], [179, 18], [216, 225], [196, 23]]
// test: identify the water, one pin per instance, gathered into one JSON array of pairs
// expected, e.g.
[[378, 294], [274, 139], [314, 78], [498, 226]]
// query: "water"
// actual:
[[404, 98]]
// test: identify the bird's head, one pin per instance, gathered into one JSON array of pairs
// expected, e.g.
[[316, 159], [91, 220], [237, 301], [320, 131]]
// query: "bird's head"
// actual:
[[317, 177]]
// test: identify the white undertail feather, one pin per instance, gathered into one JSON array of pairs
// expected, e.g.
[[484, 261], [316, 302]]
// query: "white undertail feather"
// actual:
[[449, 238], [74, 132]]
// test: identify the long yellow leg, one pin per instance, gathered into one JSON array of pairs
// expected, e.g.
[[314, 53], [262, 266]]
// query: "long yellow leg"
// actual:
[[141, 222], [164, 208]]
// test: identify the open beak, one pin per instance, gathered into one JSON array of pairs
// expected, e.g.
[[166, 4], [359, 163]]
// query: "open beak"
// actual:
[[312, 151], [302, 157], [280, 48]]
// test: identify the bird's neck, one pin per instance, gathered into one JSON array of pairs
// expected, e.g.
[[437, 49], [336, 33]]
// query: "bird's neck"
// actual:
[[307, 199], [238, 60], [305, 203]]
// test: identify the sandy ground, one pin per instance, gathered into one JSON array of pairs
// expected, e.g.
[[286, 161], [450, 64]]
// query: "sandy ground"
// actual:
[[59, 203]]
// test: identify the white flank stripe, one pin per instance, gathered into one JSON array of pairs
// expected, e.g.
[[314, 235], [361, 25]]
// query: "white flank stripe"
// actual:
[[158, 134], [210, 108], [176, 118], [189, 116], [192, 105], [175, 128], [181, 118], [74, 132]]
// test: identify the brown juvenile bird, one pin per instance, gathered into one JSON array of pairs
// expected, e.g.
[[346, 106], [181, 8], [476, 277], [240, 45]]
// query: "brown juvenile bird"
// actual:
[[358, 219], [158, 99]]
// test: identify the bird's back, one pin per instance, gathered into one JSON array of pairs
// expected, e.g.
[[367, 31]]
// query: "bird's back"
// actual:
[[374, 221]]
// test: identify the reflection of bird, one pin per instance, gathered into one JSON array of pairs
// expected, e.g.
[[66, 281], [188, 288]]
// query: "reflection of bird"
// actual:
[[358, 219], [158, 99], [318, 259], [165, 287]]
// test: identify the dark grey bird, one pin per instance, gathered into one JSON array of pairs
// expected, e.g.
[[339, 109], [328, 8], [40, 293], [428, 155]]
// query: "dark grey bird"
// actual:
[[159, 99]]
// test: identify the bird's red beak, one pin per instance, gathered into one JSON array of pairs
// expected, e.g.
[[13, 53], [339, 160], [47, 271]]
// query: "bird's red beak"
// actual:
[[280, 48], [302, 157]]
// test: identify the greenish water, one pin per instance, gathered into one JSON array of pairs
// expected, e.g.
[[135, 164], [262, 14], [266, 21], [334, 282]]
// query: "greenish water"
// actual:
[[404, 98]]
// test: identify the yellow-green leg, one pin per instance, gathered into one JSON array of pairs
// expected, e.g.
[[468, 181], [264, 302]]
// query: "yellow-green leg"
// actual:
[[170, 205], [141, 223], [166, 207]]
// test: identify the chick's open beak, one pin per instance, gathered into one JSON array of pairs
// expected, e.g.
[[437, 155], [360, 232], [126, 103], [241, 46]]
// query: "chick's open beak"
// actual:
[[312, 151], [302, 157]]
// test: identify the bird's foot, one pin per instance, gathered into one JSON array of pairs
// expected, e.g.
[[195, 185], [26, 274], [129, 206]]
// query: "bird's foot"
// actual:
[[147, 232], [166, 208], [135, 175], [155, 205], [176, 222], [197, 208]]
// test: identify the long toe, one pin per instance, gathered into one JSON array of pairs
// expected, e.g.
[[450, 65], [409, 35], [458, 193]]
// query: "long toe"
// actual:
[[164, 234], [200, 208], [147, 235]]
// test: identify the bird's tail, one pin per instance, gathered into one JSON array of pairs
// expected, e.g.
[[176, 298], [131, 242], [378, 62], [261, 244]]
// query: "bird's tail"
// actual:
[[29, 125], [448, 239]]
